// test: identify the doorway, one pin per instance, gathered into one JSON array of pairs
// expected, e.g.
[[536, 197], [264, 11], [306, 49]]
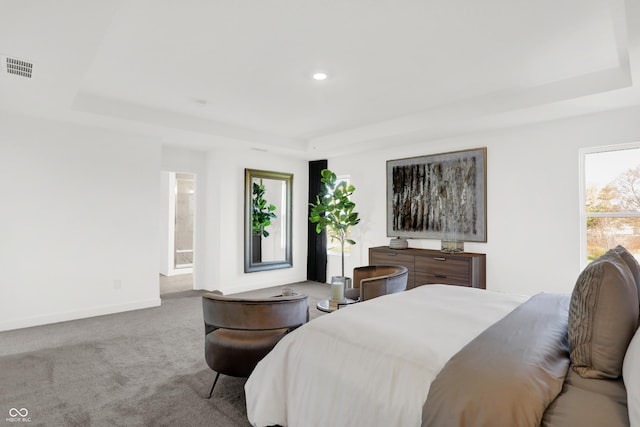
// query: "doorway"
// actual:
[[177, 259]]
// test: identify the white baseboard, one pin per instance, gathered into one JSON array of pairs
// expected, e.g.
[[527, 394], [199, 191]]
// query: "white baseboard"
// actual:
[[77, 314], [179, 271]]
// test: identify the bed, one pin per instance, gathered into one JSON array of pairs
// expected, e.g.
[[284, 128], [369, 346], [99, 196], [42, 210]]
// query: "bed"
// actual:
[[442, 355]]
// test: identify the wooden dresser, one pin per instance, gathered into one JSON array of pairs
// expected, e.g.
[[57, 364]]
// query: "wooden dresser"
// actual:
[[428, 266]]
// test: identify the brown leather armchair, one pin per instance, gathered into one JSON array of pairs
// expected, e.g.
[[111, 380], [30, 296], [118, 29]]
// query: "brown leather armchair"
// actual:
[[239, 332], [376, 280]]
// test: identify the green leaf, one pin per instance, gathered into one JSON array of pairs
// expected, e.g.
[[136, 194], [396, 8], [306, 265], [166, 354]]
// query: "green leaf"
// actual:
[[262, 211], [333, 209]]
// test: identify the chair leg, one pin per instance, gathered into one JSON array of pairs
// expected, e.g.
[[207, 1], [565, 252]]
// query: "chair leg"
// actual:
[[214, 384]]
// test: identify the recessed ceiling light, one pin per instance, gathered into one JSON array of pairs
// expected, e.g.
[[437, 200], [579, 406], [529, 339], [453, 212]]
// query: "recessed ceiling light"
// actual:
[[320, 76]]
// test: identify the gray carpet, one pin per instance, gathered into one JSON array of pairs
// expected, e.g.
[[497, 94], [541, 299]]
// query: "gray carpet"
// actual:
[[139, 368]]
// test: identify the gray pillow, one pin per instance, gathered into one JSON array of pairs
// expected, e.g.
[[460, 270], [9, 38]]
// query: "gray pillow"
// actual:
[[603, 316], [632, 263]]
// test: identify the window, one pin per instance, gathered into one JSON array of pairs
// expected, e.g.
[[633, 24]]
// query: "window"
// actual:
[[610, 202]]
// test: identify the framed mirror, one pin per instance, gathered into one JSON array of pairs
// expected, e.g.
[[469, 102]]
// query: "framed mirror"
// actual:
[[267, 220]]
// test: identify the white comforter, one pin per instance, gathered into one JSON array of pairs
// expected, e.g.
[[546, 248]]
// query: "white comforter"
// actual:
[[371, 363]]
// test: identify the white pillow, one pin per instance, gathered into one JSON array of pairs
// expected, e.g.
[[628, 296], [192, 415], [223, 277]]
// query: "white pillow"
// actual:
[[631, 375]]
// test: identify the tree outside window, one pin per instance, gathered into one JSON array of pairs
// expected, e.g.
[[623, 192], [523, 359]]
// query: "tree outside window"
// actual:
[[611, 200]]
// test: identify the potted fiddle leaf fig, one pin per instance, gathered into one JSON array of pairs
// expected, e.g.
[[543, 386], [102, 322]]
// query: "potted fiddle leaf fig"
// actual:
[[333, 210], [262, 211]]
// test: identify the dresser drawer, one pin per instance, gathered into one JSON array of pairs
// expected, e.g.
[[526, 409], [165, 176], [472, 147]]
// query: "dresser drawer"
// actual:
[[432, 279], [392, 258], [443, 268]]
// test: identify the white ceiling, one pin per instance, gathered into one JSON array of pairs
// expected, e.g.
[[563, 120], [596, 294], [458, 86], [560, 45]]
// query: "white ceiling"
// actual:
[[208, 73]]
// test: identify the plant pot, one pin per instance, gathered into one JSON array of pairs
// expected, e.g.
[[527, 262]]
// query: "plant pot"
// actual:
[[256, 248]]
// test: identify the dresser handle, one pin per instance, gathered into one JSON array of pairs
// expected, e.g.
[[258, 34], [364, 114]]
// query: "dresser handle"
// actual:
[[391, 254], [441, 276], [439, 258]]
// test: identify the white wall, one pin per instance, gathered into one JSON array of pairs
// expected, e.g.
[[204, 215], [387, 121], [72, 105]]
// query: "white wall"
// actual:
[[78, 223], [533, 189], [79, 220], [224, 222]]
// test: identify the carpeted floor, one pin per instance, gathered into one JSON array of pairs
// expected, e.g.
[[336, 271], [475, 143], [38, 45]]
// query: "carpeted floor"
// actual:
[[139, 368]]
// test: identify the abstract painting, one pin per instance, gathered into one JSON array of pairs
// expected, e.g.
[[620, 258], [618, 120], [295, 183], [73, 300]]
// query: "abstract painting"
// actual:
[[429, 196]]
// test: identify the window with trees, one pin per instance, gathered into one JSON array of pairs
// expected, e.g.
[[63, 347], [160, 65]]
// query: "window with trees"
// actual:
[[610, 200]]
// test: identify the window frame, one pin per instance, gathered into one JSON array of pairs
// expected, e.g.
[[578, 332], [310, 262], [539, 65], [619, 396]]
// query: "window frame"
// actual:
[[584, 215]]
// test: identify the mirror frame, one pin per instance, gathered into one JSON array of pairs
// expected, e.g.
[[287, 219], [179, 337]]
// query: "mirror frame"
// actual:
[[249, 265]]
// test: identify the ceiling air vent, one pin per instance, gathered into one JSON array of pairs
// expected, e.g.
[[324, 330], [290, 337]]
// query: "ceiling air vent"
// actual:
[[18, 67]]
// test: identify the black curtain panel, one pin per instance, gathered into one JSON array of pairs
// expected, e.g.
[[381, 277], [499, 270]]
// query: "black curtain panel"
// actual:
[[316, 243]]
